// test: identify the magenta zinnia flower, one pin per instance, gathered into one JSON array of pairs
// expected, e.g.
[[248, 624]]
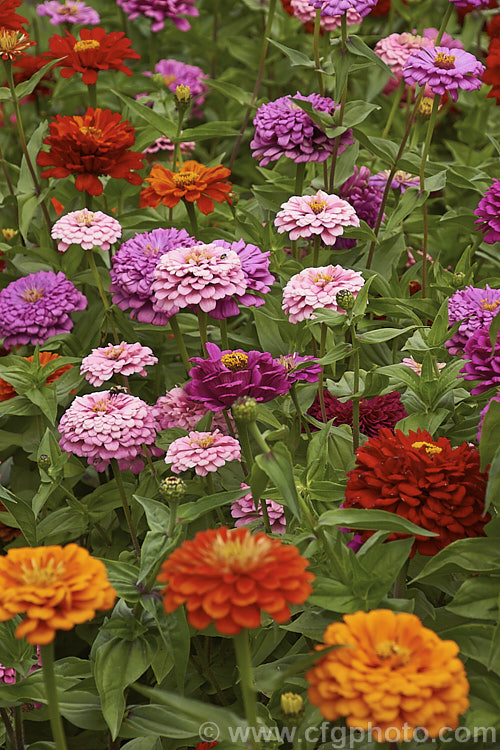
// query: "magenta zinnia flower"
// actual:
[[7, 675], [161, 10], [196, 276], [123, 359], [315, 288], [401, 180], [103, 425], [488, 211], [86, 228], [475, 308], [36, 307], [217, 382], [306, 14], [68, 11], [483, 414], [374, 413], [244, 511], [484, 364], [203, 452], [364, 197], [132, 270], [444, 70], [320, 214], [296, 374], [339, 7]]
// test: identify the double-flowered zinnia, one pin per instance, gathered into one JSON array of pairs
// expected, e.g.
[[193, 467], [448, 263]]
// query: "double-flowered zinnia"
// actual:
[[86, 228], [202, 451], [322, 215], [106, 362], [315, 288]]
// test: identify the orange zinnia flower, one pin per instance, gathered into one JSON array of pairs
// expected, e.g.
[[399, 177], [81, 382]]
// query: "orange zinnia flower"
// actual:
[[7, 391], [229, 577], [56, 587], [390, 674], [193, 182]]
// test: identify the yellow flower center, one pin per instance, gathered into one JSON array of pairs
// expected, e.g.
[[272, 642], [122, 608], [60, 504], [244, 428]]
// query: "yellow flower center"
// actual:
[[203, 442], [9, 233], [322, 278], [32, 294], [235, 361], [86, 44], [430, 448], [317, 206], [68, 9], [85, 218], [182, 179], [240, 554], [169, 79], [101, 405], [113, 352], [36, 575], [90, 130], [393, 652], [12, 41], [445, 62], [198, 255], [491, 306]]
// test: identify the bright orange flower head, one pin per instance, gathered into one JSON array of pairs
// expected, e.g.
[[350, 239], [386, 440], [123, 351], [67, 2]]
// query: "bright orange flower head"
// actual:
[[55, 587], [13, 43], [193, 182], [7, 391], [95, 50], [229, 576], [390, 673]]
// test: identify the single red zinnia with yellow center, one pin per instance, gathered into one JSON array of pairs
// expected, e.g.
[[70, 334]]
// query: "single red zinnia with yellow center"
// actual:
[[193, 183], [7, 391], [13, 43], [229, 577], [95, 51], [427, 481], [96, 143]]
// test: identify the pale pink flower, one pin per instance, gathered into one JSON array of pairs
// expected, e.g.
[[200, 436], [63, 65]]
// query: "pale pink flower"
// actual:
[[244, 511], [320, 214], [306, 14], [203, 452], [411, 258], [197, 276], [165, 144], [417, 367], [86, 228], [177, 409], [123, 359], [395, 50], [315, 288]]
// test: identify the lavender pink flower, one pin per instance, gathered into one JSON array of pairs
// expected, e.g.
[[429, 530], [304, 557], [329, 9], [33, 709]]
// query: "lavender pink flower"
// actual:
[[164, 144], [68, 11], [116, 359], [475, 308], [177, 409], [86, 228], [488, 211], [177, 73], [306, 15], [315, 288], [444, 70], [244, 512], [320, 215], [296, 374], [484, 363], [395, 50], [160, 11], [255, 267], [401, 180], [417, 367], [203, 452], [339, 7]]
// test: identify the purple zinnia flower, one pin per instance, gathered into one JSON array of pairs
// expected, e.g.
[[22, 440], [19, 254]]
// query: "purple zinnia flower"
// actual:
[[36, 307], [290, 362], [444, 70], [283, 129], [364, 197], [339, 7], [177, 73], [160, 10], [244, 511], [68, 11], [474, 4], [374, 413], [475, 308], [446, 40], [401, 180], [132, 271], [217, 382], [484, 364], [483, 414], [488, 210]]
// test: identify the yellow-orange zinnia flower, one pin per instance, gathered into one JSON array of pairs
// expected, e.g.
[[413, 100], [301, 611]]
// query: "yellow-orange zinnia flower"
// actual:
[[229, 576], [55, 587], [193, 182], [392, 674]]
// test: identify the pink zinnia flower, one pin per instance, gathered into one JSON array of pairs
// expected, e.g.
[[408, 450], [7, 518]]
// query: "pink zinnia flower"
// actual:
[[320, 214], [198, 275], [444, 70], [401, 180], [315, 288], [177, 409], [124, 359], [417, 367], [203, 452], [103, 425], [165, 144], [86, 228], [306, 14], [244, 511]]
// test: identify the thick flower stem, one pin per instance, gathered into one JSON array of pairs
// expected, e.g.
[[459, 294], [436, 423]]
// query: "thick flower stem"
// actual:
[[19, 729], [355, 400], [179, 340], [317, 61], [258, 437], [425, 153], [49, 678], [8, 728], [302, 421], [103, 295], [244, 440], [244, 662], [191, 212], [260, 75], [202, 326], [444, 24], [321, 395], [223, 334], [92, 87], [177, 144], [265, 516], [316, 246], [126, 506]]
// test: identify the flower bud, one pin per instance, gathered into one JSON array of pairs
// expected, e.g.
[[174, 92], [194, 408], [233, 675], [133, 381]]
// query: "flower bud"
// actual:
[[345, 299], [158, 79], [182, 97], [173, 489], [9, 233], [458, 279], [44, 462], [291, 704], [234, 197], [245, 409]]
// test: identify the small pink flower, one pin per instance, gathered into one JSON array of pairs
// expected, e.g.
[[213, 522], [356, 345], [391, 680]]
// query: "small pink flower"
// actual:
[[417, 367], [165, 144], [86, 228], [315, 288], [244, 511], [411, 258], [7, 675], [124, 359], [203, 452], [306, 14], [198, 275], [320, 214]]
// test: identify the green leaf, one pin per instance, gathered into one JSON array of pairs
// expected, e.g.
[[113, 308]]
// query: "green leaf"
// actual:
[[297, 59], [379, 520], [219, 129], [278, 466], [481, 555], [156, 122], [23, 514], [490, 434], [358, 47], [382, 334], [493, 331], [175, 633], [157, 514], [27, 87], [493, 487], [191, 511]]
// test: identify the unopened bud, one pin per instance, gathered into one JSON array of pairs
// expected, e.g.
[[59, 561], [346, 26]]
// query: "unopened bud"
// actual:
[[182, 97], [173, 489], [44, 462], [245, 409], [458, 279], [234, 197], [345, 299], [158, 79], [291, 704], [9, 233]]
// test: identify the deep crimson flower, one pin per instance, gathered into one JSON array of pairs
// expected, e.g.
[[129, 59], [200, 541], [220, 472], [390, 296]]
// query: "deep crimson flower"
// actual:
[[493, 27], [491, 75], [89, 145], [382, 8], [96, 50], [374, 413], [8, 18], [26, 67], [435, 486]]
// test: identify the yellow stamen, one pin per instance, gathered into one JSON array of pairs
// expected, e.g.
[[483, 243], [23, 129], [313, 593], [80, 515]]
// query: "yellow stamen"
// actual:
[[32, 294], [393, 652], [322, 278], [9, 233], [446, 62], [182, 179], [235, 361], [38, 576], [169, 79], [90, 130], [85, 45], [491, 306], [430, 448], [317, 206], [204, 442], [85, 218], [101, 405], [242, 554]]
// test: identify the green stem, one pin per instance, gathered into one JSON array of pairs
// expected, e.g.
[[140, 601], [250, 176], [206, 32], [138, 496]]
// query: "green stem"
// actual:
[[49, 678], [395, 106], [265, 516], [317, 61], [425, 153], [191, 212], [177, 143], [399, 590], [244, 662], [8, 728], [302, 420], [258, 437], [102, 294], [321, 395], [355, 400], [316, 246], [299, 177], [244, 441], [126, 507], [444, 24], [92, 87], [202, 326], [337, 139], [173, 505], [212, 491], [18, 724], [179, 340], [223, 334]]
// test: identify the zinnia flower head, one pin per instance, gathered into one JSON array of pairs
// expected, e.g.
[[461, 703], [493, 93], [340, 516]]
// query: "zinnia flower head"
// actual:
[[229, 577], [7, 675], [282, 128], [244, 512], [160, 11], [132, 269], [340, 7], [320, 215], [491, 75], [315, 288], [217, 382], [38, 306], [165, 144], [419, 680], [7, 391], [86, 228], [9, 19], [471, 4], [484, 363], [417, 367], [475, 308], [364, 197], [69, 11], [123, 359], [374, 413], [444, 70], [104, 425], [488, 211], [306, 13], [433, 485], [177, 409], [13, 43], [176, 73], [401, 180], [99, 132], [296, 374], [95, 51], [203, 452], [483, 414], [55, 587], [395, 50], [192, 182]]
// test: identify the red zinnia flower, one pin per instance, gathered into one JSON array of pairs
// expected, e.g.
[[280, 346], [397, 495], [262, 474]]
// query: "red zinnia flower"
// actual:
[[374, 413], [26, 67], [94, 144], [7, 391], [96, 50], [435, 486], [382, 8], [193, 182], [492, 73], [493, 27], [13, 43], [8, 18]]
